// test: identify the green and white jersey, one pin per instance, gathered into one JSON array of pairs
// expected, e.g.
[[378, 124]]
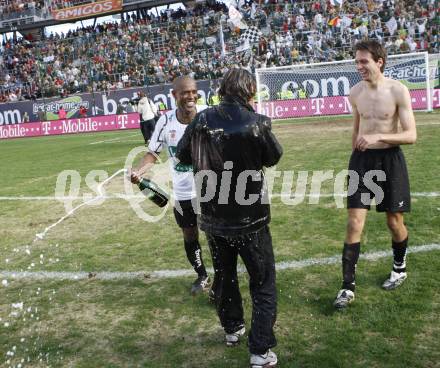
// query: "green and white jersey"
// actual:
[[167, 134]]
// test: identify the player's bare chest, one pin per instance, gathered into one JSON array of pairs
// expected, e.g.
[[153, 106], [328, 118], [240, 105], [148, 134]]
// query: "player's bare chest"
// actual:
[[379, 104]]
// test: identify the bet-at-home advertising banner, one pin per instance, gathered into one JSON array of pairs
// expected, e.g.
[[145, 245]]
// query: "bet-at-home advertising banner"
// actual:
[[286, 94]]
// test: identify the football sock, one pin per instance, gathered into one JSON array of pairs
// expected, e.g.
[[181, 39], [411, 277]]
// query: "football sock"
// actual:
[[399, 253], [194, 255], [350, 256]]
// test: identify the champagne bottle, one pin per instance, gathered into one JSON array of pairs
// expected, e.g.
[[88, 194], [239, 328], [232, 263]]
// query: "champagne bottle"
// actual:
[[152, 191]]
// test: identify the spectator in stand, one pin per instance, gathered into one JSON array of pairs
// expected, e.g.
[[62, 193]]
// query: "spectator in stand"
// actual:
[[62, 114], [10, 9], [41, 114], [120, 108], [128, 107], [82, 111], [25, 118]]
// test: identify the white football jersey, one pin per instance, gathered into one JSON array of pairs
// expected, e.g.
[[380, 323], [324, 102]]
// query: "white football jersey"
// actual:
[[167, 134]]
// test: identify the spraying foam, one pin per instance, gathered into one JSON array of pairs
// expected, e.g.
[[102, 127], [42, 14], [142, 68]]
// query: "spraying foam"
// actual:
[[40, 236]]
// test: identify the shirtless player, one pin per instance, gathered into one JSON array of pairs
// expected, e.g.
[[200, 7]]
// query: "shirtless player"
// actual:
[[379, 104]]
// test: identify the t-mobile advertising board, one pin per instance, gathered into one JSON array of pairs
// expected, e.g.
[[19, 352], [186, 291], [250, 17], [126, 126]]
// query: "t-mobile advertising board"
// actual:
[[336, 105], [70, 126]]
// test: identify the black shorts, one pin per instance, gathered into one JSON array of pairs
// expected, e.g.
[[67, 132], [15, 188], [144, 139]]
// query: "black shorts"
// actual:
[[383, 176], [185, 215]]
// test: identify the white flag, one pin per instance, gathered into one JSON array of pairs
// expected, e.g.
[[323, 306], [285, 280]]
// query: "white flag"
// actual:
[[235, 18], [392, 25], [245, 46], [234, 14], [253, 10], [336, 2], [346, 21], [222, 40]]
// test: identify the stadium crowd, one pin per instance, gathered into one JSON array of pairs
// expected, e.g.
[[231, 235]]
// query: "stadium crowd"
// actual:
[[15, 8], [147, 49], [62, 4]]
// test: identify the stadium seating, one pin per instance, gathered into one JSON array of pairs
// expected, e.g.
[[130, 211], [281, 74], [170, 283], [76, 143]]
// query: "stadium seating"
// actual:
[[10, 9], [146, 49], [62, 4]]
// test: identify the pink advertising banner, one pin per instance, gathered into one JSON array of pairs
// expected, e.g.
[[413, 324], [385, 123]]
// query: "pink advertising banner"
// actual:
[[336, 105], [70, 126], [278, 109]]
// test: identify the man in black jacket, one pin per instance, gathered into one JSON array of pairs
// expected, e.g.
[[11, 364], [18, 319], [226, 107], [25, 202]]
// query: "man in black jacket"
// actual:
[[228, 146]]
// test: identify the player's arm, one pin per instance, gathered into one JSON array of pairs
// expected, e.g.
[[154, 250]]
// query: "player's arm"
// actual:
[[154, 148], [146, 163], [356, 120], [272, 150], [408, 135]]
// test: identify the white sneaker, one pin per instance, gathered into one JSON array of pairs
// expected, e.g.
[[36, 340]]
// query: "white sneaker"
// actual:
[[343, 299], [233, 339], [268, 359], [395, 280]]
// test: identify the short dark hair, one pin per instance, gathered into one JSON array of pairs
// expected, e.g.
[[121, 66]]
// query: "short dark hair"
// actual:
[[376, 50], [238, 83], [177, 82]]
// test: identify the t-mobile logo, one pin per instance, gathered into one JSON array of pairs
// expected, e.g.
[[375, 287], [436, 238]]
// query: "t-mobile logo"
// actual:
[[122, 121], [45, 125]]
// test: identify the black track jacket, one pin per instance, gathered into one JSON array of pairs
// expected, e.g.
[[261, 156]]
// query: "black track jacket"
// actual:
[[228, 146]]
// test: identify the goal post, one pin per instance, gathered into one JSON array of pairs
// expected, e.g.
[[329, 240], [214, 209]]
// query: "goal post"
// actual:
[[434, 79], [321, 89]]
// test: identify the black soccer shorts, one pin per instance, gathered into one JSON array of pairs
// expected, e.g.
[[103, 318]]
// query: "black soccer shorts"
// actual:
[[184, 214], [383, 175]]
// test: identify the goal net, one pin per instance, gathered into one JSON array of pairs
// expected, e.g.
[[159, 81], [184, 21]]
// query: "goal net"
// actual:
[[322, 89]]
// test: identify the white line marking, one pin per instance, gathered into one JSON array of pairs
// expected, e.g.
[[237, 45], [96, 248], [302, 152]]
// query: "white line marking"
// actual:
[[426, 124], [167, 274], [343, 195], [69, 198], [126, 197], [115, 139], [373, 256]]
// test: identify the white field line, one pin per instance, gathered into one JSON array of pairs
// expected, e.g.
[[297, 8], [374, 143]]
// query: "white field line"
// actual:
[[120, 139], [137, 196], [344, 195], [425, 124], [167, 274], [281, 122], [115, 139], [69, 198]]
